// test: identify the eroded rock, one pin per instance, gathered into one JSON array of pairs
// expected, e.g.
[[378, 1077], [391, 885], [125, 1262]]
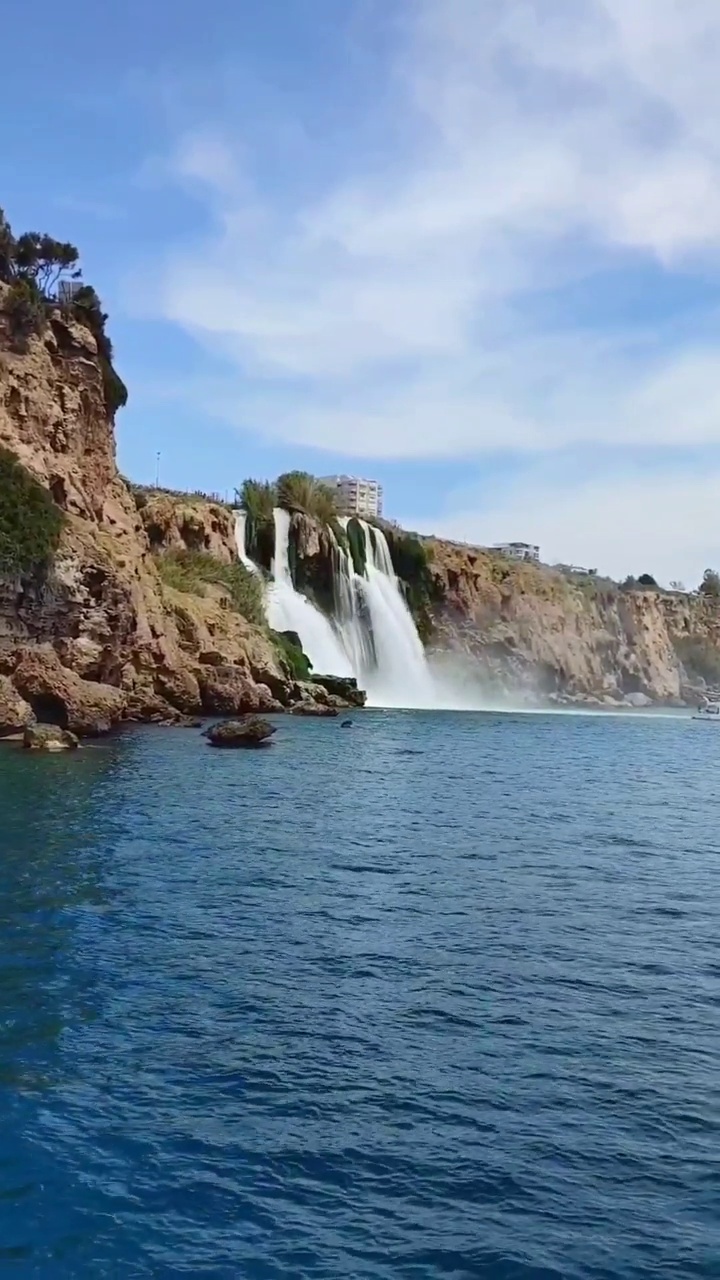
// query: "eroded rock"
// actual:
[[15, 712]]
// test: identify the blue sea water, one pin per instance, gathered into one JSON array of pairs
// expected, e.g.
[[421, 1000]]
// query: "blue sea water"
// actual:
[[434, 998]]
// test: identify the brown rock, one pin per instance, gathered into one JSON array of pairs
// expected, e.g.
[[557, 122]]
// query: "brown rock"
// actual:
[[313, 709], [251, 732], [181, 689], [15, 712], [229, 690], [60, 697]]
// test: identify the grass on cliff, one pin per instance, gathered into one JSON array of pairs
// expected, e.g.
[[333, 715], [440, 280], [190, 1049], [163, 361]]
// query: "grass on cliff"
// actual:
[[192, 571], [30, 522]]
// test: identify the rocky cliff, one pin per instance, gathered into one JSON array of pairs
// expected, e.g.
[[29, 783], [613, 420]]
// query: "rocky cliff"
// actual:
[[97, 635], [532, 629]]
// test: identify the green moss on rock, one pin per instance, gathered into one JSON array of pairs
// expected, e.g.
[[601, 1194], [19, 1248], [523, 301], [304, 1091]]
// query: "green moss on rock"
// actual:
[[30, 522]]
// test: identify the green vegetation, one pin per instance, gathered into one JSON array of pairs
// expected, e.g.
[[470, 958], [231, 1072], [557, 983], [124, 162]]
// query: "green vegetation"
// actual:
[[258, 498], [412, 563], [30, 522], [291, 654], [356, 545], [192, 571], [35, 266], [299, 491]]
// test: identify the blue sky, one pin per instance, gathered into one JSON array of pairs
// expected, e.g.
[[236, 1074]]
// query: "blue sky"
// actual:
[[469, 247]]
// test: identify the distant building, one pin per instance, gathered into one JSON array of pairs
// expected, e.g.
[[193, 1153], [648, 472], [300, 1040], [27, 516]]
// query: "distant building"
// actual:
[[355, 496], [577, 570], [518, 551]]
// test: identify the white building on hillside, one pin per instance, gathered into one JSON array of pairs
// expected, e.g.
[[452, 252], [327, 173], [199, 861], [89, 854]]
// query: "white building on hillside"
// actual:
[[519, 551], [355, 496]]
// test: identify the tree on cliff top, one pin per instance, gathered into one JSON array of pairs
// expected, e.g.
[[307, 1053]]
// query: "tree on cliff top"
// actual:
[[45, 261]]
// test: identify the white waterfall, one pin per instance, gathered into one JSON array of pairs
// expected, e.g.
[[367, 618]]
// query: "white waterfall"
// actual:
[[372, 636], [288, 610], [401, 677], [240, 534]]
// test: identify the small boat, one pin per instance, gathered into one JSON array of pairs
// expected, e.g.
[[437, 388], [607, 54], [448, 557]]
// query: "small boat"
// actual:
[[709, 710]]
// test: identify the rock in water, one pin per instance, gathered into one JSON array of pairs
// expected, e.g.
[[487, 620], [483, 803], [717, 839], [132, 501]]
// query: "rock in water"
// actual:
[[313, 709], [252, 732], [49, 737], [346, 724]]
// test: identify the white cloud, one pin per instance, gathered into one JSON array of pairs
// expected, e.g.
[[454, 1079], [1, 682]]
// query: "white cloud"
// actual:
[[398, 312], [643, 522]]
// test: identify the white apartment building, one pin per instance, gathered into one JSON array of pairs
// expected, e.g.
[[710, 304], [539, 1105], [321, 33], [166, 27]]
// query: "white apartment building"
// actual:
[[519, 551], [355, 496]]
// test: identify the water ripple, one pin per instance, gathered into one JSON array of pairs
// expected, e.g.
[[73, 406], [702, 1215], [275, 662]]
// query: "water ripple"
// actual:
[[435, 999]]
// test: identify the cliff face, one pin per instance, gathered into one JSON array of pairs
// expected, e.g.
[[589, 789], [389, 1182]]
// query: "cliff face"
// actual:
[[528, 627], [103, 620]]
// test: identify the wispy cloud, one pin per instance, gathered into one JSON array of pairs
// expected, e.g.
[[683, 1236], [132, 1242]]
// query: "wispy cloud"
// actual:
[[425, 306], [636, 519]]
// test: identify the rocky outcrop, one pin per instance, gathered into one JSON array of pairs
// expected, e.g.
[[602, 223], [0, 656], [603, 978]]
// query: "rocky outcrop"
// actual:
[[59, 696], [15, 712], [100, 637], [530, 629], [186, 523], [344, 688]]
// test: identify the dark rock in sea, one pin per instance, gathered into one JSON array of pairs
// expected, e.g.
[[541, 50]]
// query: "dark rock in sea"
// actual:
[[313, 709], [346, 724], [252, 732], [49, 737], [345, 687]]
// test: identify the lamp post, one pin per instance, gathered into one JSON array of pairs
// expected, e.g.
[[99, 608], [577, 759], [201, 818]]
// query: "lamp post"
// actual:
[[157, 470]]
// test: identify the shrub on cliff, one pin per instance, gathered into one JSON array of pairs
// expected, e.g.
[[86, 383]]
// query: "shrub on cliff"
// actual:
[[710, 585], [30, 522], [192, 571], [25, 310], [292, 655]]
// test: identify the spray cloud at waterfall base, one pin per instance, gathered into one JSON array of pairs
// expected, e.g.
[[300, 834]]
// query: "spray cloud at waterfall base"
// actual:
[[371, 635]]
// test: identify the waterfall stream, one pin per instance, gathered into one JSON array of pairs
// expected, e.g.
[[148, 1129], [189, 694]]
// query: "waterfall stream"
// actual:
[[288, 610], [372, 635]]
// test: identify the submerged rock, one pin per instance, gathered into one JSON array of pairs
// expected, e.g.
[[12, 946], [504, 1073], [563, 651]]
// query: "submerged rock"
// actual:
[[252, 732], [346, 724], [49, 737], [313, 709]]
